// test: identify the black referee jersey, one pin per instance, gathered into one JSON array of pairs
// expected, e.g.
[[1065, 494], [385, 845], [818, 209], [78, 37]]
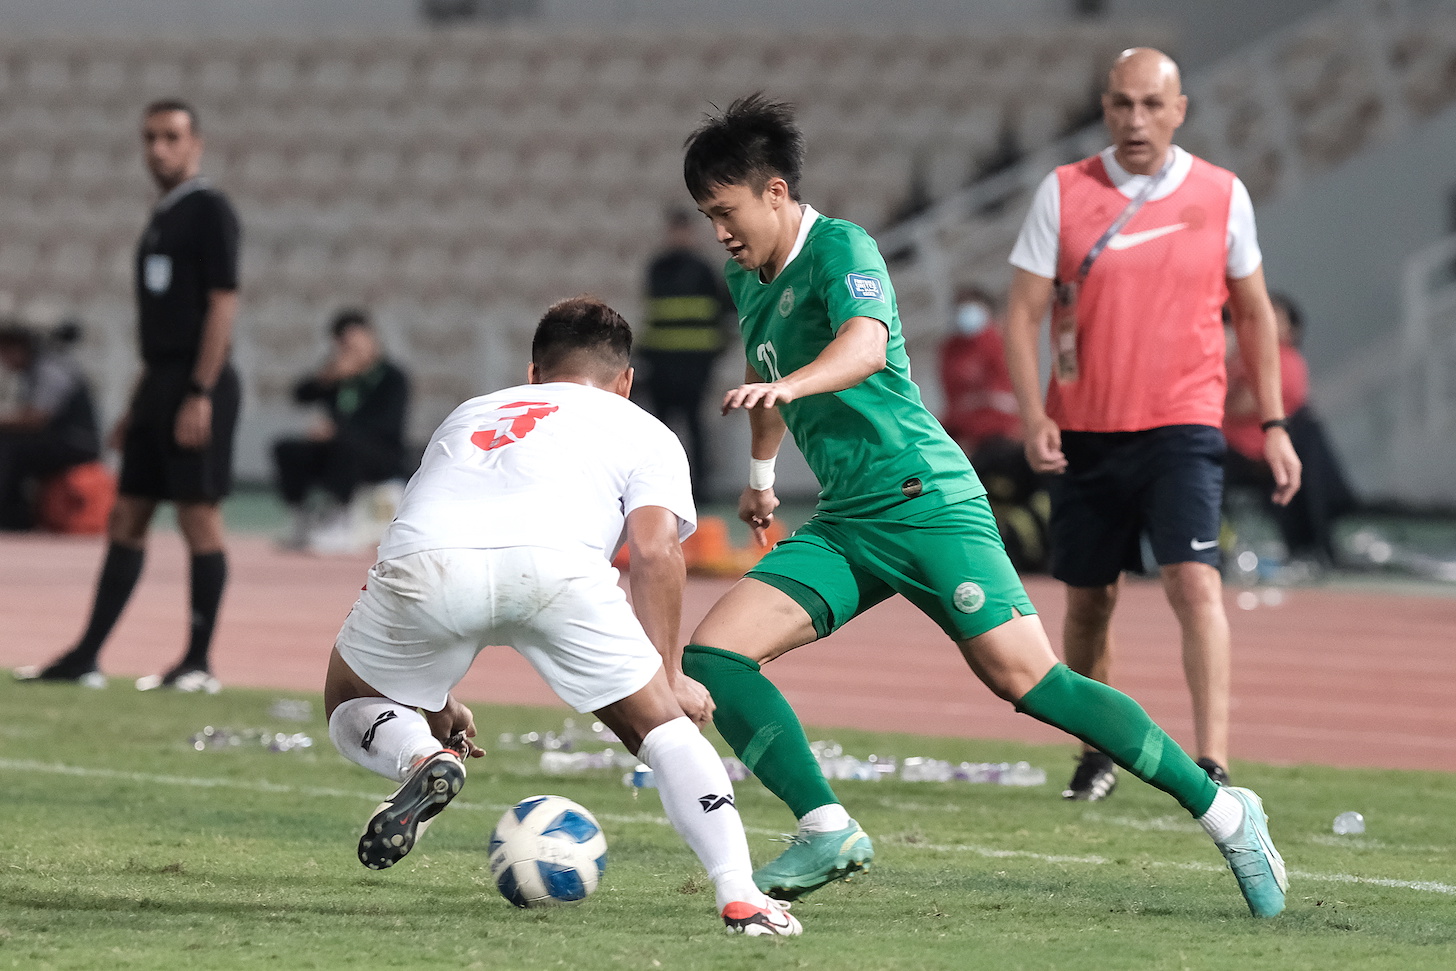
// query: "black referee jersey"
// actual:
[[189, 248]]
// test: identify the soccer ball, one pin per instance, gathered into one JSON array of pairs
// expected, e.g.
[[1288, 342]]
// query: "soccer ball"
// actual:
[[547, 850]]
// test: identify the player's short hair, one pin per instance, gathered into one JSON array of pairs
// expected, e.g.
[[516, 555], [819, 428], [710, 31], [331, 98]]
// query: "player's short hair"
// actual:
[[175, 104], [13, 333], [1291, 310], [347, 318], [753, 141], [582, 335]]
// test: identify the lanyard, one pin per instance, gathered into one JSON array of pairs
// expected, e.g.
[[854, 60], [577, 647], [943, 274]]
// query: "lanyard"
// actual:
[[1133, 205]]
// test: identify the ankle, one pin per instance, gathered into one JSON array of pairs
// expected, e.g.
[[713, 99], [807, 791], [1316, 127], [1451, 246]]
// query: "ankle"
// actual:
[[828, 818]]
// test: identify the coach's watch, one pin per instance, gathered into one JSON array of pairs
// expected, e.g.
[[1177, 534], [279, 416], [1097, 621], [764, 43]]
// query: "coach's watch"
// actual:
[[196, 389]]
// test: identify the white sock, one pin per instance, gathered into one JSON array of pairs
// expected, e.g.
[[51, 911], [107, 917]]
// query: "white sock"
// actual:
[[698, 799], [381, 735], [825, 819], [1224, 817]]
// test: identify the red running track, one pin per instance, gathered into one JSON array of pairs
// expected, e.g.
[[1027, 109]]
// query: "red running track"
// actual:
[[1334, 676]]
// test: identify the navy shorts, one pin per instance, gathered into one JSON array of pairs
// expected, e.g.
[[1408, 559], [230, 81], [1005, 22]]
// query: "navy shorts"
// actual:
[[1165, 482], [153, 465]]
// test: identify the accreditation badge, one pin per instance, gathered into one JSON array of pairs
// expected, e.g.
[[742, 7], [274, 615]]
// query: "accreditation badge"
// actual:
[[157, 273], [1064, 332]]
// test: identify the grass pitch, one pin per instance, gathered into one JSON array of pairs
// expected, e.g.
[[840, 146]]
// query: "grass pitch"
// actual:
[[126, 848]]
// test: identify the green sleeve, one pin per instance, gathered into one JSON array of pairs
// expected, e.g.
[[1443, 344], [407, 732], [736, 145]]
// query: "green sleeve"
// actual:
[[851, 277]]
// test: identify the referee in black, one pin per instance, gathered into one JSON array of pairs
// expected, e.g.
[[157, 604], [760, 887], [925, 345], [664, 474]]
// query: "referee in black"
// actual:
[[177, 434]]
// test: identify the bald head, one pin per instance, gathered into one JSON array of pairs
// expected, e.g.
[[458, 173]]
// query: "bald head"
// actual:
[[1145, 66], [1143, 106]]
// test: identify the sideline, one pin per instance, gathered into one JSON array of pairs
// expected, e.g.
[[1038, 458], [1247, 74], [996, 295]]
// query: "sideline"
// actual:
[[203, 782]]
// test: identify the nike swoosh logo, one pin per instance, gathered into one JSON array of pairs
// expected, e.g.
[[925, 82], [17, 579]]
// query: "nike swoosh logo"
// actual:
[[1201, 545], [1129, 240]]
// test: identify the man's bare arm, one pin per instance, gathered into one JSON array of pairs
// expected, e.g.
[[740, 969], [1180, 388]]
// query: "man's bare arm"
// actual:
[[194, 418], [658, 575], [1026, 306], [857, 351], [1258, 334]]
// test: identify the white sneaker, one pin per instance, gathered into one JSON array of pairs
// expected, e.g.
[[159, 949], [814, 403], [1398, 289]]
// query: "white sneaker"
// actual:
[[190, 682], [335, 535], [770, 920]]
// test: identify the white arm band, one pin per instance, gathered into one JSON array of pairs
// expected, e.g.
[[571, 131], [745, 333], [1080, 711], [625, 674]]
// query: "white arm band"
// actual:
[[760, 474]]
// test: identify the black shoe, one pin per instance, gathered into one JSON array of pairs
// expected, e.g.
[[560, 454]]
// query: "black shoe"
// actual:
[[66, 668], [403, 817], [1215, 771], [1094, 779]]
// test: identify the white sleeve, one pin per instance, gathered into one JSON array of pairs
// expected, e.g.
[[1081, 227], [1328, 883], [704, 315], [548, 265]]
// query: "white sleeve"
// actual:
[[661, 479], [1040, 236], [1244, 256]]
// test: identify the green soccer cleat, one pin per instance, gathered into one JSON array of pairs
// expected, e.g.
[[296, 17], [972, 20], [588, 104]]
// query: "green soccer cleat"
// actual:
[[814, 859], [1256, 863]]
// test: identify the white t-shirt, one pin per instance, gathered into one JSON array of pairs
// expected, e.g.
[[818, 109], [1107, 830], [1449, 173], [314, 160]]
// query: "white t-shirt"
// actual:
[[1036, 246], [556, 465]]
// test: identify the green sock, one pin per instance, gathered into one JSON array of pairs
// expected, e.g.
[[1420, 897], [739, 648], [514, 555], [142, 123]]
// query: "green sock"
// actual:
[[756, 720], [1109, 720]]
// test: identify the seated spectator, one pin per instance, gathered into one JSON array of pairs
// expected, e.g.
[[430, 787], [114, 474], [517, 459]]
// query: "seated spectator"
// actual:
[[50, 428], [358, 440], [981, 415], [1307, 523]]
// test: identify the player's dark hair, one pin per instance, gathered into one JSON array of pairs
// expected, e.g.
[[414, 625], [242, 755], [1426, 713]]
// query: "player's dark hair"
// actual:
[[580, 335], [175, 104], [753, 141], [346, 318], [13, 333], [1292, 310]]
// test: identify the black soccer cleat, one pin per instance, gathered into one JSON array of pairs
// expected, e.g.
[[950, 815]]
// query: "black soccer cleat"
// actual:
[[1215, 771], [400, 820], [66, 669], [1094, 779]]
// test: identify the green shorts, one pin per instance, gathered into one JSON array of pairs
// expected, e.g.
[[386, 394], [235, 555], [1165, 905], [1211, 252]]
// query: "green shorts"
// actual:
[[947, 560]]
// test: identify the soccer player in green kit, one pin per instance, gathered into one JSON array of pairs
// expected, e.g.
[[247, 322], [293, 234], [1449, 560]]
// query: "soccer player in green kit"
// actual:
[[900, 511]]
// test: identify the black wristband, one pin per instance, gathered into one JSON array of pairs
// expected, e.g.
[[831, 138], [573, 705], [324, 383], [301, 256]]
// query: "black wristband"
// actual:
[[195, 389], [1274, 423]]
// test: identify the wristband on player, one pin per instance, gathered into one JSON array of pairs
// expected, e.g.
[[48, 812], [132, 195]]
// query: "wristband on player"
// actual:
[[196, 389], [1274, 423], [760, 474]]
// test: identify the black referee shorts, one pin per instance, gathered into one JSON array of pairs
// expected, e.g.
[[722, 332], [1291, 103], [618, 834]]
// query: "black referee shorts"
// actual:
[[153, 465], [1166, 482]]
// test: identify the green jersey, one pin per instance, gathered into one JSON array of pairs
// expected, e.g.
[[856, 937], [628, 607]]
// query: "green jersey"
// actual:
[[871, 446]]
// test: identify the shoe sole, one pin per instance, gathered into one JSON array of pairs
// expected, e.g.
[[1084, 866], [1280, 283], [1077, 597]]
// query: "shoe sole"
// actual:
[[397, 823], [846, 865]]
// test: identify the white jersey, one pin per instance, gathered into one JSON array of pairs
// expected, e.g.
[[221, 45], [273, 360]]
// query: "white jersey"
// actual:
[[556, 465]]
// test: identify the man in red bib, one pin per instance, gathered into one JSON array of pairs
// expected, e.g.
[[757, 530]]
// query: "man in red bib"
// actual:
[[1136, 250]]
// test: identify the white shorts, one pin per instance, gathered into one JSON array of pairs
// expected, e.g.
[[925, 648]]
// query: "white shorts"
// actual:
[[423, 617]]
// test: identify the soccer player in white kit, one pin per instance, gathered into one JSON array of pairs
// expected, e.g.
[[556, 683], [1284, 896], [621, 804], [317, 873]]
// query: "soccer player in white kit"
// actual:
[[505, 535]]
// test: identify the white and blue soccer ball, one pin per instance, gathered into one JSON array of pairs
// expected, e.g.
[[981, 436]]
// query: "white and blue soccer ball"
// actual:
[[547, 850]]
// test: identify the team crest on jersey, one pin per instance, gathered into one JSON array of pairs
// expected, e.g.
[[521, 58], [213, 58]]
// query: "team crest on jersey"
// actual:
[[969, 597], [786, 302], [512, 423], [863, 287], [157, 272]]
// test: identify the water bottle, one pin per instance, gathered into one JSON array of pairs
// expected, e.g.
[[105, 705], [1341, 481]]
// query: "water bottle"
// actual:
[[1349, 824], [1024, 774], [641, 777]]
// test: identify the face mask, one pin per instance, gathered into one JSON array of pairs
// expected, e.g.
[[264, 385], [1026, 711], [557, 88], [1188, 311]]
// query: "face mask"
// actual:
[[971, 318]]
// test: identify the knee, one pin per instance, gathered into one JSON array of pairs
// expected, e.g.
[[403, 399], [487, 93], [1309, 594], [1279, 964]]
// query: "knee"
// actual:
[[1091, 605], [1193, 588]]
